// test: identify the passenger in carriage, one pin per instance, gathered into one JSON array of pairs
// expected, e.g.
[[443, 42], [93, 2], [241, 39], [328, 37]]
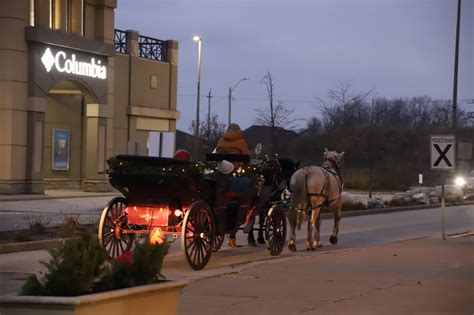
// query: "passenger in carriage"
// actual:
[[232, 142], [222, 181]]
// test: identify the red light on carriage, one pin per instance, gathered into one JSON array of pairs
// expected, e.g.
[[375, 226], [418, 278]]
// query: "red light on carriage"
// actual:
[[149, 216]]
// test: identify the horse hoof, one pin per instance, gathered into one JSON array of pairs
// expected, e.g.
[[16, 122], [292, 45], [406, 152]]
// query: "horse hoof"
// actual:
[[261, 240], [310, 248], [319, 245], [292, 247], [333, 240]]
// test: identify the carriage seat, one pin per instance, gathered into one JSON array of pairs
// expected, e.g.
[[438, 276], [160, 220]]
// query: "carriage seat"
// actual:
[[224, 189]]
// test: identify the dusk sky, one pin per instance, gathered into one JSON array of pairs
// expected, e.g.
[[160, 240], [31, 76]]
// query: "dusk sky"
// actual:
[[399, 48]]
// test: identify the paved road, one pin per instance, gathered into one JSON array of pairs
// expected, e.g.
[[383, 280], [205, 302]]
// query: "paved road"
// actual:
[[356, 232]]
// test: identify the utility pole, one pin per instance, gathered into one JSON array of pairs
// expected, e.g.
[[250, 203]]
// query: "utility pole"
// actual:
[[230, 106], [209, 96], [456, 55]]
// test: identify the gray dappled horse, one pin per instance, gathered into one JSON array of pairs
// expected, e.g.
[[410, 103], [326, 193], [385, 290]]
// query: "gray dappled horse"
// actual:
[[313, 188]]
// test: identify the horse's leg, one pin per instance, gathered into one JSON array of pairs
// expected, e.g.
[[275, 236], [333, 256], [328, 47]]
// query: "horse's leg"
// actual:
[[250, 237], [309, 236], [312, 242], [337, 217], [317, 234], [261, 223], [292, 213]]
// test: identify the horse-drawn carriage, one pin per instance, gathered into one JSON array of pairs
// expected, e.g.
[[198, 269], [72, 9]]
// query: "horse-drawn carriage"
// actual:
[[181, 199]]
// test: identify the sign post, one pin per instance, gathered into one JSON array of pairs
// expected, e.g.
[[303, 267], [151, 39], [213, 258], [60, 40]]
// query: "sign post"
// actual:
[[442, 148]]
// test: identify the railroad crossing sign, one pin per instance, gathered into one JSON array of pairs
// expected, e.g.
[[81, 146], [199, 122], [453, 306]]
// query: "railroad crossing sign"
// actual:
[[443, 152]]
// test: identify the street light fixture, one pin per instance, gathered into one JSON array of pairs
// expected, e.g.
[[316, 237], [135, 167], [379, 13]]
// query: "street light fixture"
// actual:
[[230, 98], [196, 129]]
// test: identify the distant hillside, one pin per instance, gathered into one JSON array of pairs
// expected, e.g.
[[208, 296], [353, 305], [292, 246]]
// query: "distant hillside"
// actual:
[[261, 134], [184, 140]]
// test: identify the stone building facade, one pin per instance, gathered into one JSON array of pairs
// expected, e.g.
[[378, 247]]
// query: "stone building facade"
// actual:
[[75, 91]]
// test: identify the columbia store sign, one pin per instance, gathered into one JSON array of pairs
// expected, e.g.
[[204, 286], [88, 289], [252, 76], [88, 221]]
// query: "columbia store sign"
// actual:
[[68, 63]]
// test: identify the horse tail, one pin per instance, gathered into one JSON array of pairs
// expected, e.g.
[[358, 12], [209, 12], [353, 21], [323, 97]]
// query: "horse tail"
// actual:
[[299, 196]]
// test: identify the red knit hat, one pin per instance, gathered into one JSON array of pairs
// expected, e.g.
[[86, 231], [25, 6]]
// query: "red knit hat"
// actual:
[[182, 155]]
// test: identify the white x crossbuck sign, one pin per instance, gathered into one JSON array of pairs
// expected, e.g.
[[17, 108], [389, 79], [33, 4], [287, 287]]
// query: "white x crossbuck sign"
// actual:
[[443, 152]]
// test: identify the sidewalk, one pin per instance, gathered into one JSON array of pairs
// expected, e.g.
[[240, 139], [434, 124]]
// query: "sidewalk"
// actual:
[[424, 276], [58, 194], [17, 211]]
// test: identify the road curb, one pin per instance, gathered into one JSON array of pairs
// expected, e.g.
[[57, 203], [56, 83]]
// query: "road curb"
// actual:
[[48, 244], [355, 213], [29, 246]]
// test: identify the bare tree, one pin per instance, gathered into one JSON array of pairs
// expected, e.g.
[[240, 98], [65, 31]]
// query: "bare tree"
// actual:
[[314, 126], [276, 116], [210, 132], [282, 117], [344, 107]]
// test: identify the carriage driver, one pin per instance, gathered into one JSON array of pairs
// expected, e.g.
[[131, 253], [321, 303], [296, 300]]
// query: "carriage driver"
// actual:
[[232, 142]]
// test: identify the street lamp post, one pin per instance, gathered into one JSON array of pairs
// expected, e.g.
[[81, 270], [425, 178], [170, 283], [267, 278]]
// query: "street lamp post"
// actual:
[[196, 127], [230, 98]]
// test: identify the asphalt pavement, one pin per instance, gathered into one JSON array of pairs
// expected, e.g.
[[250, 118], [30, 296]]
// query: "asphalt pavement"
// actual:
[[422, 276], [395, 263]]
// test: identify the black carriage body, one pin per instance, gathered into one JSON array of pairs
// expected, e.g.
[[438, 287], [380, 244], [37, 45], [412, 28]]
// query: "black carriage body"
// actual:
[[151, 186], [152, 181]]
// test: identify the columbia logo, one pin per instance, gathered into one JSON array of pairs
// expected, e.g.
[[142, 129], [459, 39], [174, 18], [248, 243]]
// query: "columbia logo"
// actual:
[[48, 59]]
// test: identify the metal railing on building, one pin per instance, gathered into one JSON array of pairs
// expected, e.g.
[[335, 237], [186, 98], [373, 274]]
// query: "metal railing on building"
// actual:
[[148, 47], [120, 41], [152, 48]]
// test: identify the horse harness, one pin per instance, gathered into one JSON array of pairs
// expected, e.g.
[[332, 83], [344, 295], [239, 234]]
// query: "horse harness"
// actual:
[[326, 186]]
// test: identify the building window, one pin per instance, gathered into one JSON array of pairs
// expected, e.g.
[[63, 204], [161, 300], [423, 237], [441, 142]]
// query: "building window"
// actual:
[[67, 15], [83, 18], [32, 15], [75, 16], [51, 13]]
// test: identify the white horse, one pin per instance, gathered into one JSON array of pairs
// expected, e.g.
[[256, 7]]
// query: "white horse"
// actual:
[[313, 188]]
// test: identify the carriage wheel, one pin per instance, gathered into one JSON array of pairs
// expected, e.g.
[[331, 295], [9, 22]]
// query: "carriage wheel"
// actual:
[[111, 222], [197, 235], [275, 230], [218, 240]]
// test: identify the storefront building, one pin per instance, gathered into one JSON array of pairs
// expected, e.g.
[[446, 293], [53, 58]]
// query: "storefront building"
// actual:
[[75, 91]]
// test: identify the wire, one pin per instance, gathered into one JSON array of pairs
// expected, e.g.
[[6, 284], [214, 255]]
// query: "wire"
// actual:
[[252, 99], [469, 101]]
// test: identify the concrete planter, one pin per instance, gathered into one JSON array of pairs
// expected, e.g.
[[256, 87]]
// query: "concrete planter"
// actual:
[[161, 298]]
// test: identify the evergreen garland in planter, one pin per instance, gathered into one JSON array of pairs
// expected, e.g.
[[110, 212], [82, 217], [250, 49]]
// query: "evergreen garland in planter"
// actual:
[[80, 267], [73, 269], [144, 268]]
